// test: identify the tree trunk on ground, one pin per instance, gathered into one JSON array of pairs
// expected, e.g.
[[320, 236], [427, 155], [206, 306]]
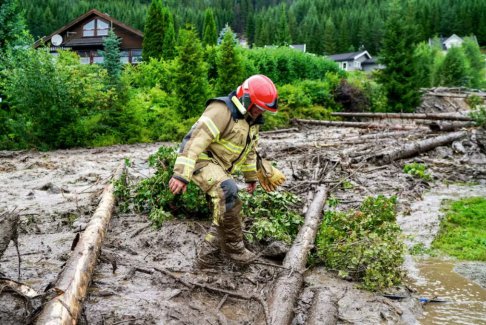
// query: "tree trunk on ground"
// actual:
[[8, 230], [354, 140], [362, 125], [289, 283], [415, 148], [413, 116], [445, 126], [74, 279]]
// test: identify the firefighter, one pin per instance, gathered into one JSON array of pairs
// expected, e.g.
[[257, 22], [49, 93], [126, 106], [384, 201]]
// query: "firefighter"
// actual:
[[221, 142]]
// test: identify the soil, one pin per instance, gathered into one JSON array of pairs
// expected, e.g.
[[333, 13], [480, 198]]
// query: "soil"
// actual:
[[55, 193]]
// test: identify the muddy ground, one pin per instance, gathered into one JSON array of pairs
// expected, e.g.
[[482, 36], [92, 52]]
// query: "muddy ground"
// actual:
[[55, 193]]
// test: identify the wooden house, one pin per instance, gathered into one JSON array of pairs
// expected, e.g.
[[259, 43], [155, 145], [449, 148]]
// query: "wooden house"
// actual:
[[353, 61], [85, 36]]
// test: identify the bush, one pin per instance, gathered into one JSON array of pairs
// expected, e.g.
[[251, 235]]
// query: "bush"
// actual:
[[418, 170], [273, 216], [363, 245]]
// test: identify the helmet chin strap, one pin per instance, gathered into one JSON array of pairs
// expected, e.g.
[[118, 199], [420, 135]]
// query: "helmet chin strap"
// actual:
[[238, 105]]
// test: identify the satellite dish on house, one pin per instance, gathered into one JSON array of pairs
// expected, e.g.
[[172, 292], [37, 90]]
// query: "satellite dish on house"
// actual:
[[56, 40]]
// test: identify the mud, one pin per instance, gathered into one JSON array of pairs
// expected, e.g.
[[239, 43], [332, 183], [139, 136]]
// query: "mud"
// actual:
[[55, 194]]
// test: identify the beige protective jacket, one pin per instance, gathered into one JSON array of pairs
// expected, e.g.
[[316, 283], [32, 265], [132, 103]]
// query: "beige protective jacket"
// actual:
[[222, 135]]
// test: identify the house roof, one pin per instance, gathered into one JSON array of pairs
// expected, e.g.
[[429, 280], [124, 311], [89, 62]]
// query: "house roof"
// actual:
[[350, 56], [92, 12]]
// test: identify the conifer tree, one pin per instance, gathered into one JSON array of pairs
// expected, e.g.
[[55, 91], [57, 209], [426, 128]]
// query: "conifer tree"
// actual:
[[454, 70], [424, 64], [111, 56], [476, 62], [190, 78], [229, 66], [311, 31], [398, 77], [210, 34], [283, 30], [168, 49], [330, 46], [153, 40]]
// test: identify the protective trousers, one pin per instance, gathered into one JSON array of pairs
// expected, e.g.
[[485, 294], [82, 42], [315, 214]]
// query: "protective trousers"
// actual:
[[225, 234]]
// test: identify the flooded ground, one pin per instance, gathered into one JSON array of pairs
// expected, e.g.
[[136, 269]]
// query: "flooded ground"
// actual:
[[461, 285], [55, 194]]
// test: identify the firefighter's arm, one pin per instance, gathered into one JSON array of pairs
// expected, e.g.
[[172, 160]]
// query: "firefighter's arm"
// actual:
[[207, 128]]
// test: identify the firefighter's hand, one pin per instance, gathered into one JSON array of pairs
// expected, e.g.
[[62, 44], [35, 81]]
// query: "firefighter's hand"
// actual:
[[250, 187], [176, 186], [269, 177]]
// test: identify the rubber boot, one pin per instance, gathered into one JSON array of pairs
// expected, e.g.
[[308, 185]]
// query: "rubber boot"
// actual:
[[232, 236], [209, 251]]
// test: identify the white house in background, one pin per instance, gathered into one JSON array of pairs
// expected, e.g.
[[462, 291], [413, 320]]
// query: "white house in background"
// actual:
[[298, 47], [448, 42], [354, 61]]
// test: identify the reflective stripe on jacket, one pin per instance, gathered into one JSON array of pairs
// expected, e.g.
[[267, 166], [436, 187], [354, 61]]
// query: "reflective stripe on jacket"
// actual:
[[222, 135]]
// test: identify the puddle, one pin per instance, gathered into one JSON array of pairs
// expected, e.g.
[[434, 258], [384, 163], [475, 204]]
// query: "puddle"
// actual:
[[465, 299]]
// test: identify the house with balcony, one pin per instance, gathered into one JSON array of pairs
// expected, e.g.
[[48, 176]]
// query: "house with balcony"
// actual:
[[85, 35]]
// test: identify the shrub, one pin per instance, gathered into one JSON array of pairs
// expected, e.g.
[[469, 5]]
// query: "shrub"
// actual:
[[363, 245], [418, 170], [273, 216]]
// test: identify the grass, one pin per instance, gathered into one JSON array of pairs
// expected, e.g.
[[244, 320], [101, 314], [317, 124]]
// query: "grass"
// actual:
[[462, 232]]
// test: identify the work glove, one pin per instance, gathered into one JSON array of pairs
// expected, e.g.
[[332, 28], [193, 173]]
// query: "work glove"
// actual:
[[268, 176]]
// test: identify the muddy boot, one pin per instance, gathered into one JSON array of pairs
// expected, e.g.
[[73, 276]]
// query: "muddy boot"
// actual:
[[209, 251], [232, 237]]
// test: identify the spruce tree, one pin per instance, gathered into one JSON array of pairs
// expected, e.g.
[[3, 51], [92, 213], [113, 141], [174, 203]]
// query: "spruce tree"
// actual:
[[330, 46], [111, 57], [476, 62], [190, 77], [168, 50], [210, 34], [424, 64], [229, 65], [454, 69], [153, 39], [311, 31], [283, 31], [398, 77]]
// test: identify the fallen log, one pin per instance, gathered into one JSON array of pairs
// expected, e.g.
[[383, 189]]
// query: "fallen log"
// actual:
[[413, 116], [365, 138], [435, 126], [362, 125], [288, 284], [415, 148], [279, 131], [74, 279]]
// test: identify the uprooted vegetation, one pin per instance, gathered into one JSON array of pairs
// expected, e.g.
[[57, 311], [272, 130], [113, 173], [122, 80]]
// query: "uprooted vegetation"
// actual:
[[360, 245]]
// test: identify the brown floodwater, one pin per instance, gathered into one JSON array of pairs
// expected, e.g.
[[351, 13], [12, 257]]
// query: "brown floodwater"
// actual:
[[465, 301]]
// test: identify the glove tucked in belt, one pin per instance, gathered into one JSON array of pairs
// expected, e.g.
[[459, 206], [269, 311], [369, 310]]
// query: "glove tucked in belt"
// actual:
[[268, 176]]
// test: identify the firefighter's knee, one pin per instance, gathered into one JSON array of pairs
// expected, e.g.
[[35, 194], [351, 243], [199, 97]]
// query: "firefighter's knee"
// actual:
[[230, 191]]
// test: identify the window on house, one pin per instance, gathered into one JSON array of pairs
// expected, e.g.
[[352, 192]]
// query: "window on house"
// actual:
[[96, 27], [345, 65]]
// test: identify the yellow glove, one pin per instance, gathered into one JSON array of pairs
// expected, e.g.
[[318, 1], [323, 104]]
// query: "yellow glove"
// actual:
[[269, 176]]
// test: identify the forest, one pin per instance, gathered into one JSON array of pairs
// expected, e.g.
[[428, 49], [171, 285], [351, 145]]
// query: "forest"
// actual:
[[326, 26], [192, 53]]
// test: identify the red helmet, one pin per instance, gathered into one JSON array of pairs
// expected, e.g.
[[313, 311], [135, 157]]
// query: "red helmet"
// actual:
[[258, 90]]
